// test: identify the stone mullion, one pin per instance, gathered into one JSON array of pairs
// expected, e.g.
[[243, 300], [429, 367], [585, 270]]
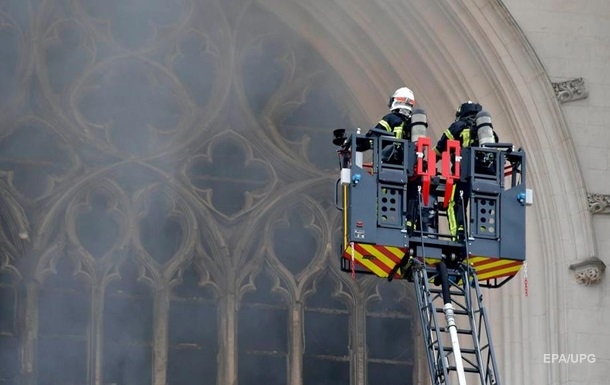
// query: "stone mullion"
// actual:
[[30, 343], [97, 334], [296, 349], [227, 309], [160, 336]]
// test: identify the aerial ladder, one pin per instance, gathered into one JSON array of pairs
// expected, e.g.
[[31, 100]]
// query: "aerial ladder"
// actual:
[[390, 207]]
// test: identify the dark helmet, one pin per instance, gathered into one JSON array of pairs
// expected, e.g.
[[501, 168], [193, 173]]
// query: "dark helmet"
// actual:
[[467, 109]]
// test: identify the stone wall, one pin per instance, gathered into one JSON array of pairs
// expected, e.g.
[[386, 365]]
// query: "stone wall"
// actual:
[[572, 40]]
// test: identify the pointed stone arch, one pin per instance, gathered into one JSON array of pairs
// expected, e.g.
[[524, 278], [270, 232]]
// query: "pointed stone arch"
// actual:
[[448, 51]]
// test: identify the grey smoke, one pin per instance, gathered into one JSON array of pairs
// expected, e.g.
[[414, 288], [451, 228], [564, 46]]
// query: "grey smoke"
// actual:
[[117, 71]]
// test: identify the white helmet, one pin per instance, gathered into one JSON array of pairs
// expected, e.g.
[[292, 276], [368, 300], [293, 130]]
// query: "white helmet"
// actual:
[[403, 99]]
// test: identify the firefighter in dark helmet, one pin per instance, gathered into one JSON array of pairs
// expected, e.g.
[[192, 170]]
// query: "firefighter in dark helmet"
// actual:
[[465, 130]]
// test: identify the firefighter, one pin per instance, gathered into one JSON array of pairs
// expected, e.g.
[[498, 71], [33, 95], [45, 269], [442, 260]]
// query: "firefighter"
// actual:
[[465, 130], [398, 122], [408, 124]]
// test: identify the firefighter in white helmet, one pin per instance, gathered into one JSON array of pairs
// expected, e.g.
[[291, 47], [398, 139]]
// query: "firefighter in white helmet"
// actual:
[[409, 124], [400, 122]]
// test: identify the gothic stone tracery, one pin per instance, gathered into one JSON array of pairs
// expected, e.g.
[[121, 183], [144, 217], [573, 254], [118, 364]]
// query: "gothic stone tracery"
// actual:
[[166, 179]]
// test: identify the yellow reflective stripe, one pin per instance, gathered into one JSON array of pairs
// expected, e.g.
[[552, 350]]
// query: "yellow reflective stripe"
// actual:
[[448, 134], [474, 260], [372, 267], [396, 252], [398, 131], [451, 213], [367, 263], [487, 268], [385, 125], [379, 255], [465, 138], [451, 218], [499, 272]]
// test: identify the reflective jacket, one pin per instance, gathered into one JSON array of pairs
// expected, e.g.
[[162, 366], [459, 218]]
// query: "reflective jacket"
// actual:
[[463, 130], [397, 123]]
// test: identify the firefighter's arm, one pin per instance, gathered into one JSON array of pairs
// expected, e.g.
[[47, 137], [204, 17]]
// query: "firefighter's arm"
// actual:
[[386, 123], [383, 127], [441, 145]]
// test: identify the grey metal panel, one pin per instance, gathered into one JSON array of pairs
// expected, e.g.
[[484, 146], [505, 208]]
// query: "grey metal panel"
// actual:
[[484, 247], [484, 213], [391, 202], [428, 251], [513, 224], [393, 175], [362, 212], [391, 237], [486, 187]]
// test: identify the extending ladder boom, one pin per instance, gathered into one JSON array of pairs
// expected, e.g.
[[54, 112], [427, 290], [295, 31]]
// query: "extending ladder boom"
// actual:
[[471, 360]]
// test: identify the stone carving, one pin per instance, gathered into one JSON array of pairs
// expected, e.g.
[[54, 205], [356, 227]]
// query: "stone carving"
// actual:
[[570, 90], [589, 271], [599, 203]]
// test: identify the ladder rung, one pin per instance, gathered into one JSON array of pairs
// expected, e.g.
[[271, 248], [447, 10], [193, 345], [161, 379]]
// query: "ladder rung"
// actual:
[[462, 350], [455, 311], [476, 358], [460, 331], [466, 369], [454, 293]]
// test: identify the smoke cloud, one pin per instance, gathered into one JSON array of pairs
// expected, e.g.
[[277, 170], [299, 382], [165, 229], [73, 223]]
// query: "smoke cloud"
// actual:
[[126, 127]]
